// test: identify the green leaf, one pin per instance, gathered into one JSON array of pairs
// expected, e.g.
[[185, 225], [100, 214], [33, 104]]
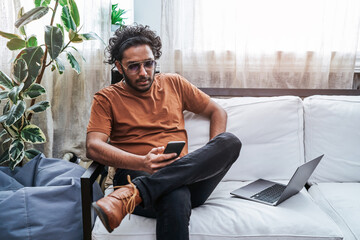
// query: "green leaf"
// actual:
[[60, 65], [61, 28], [114, 6], [116, 15], [74, 64], [5, 81], [12, 132], [5, 157], [22, 30], [2, 133], [28, 82], [63, 2], [74, 12], [78, 52], [3, 118], [20, 14], [39, 107], [14, 93], [31, 15], [34, 91], [37, 3], [43, 3], [91, 36], [6, 107], [16, 44], [20, 70], [18, 124], [54, 40], [4, 94], [33, 57], [16, 152], [15, 113], [74, 37], [31, 153], [67, 20], [32, 134], [9, 35], [32, 42]]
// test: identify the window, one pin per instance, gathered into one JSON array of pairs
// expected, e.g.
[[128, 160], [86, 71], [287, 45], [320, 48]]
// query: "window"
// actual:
[[261, 43]]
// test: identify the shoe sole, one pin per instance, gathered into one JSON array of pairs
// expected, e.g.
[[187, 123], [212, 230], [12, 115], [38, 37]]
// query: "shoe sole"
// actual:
[[103, 217]]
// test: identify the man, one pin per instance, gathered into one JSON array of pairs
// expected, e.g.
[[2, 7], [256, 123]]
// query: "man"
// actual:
[[139, 116]]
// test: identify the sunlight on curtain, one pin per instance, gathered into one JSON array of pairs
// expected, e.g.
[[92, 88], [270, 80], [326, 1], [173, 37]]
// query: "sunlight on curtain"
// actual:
[[7, 19], [261, 43], [70, 94]]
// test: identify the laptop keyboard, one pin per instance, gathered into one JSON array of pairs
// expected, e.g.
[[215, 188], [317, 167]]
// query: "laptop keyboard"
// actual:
[[270, 194]]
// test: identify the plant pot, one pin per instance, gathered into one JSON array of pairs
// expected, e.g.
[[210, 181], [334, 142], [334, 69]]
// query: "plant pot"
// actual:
[[114, 27]]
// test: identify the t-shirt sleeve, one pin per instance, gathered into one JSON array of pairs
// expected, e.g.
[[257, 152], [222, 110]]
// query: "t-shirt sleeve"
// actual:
[[194, 99], [100, 116]]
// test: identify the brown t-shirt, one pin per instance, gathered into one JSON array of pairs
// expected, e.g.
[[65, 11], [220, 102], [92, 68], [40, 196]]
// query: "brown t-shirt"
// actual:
[[137, 122]]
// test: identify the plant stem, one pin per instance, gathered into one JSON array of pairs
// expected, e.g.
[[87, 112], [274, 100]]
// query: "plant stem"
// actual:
[[54, 12], [43, 65]]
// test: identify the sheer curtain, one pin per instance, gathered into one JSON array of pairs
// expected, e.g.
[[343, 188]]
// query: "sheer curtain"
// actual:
[[70, 94], [261, 43]]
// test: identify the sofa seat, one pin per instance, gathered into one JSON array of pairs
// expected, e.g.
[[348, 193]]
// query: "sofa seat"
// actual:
[[226, 217], [341, 202]]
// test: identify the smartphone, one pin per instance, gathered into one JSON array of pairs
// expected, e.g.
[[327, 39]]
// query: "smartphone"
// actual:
[[175, 147]]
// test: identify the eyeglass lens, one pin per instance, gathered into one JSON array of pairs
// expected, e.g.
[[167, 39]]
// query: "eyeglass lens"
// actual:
[[135, 67]]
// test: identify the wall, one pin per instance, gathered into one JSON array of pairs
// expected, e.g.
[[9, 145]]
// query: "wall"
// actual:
[[148, 12]]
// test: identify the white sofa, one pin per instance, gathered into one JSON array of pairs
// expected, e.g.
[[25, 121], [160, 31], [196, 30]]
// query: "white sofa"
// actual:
[[278, 134]]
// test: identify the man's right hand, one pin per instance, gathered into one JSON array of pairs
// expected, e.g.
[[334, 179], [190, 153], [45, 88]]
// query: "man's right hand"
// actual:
[[156, 160], [99, 150]]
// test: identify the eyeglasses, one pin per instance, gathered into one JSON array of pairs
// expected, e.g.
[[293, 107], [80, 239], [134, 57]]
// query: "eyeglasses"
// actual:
[[134, 68]]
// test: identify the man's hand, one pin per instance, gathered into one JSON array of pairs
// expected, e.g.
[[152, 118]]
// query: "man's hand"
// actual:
[[156, 160]]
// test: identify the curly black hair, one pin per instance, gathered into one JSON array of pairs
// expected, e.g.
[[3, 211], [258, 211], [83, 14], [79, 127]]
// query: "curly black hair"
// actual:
[[129, 36]]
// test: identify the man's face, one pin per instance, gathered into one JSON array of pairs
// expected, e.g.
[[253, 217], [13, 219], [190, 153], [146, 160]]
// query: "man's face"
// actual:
[[137, 67]]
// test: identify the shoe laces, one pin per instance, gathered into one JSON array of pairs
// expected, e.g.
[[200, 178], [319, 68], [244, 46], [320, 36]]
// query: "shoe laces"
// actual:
[[131, 203]]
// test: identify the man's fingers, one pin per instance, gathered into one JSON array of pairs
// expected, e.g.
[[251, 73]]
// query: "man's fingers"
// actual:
[[157, 150], [165, 157]]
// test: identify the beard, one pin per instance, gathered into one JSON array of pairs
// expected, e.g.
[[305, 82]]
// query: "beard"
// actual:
[[128, 82]]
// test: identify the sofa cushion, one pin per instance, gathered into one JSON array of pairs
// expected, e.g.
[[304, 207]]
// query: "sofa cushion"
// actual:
[[270, 129], [341, 202], [332, 127], [224, 217]]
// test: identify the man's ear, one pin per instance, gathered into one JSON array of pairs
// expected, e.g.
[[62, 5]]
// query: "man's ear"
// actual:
[[118, 66]]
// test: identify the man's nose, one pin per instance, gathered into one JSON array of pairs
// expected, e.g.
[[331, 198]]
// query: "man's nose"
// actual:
[[142, 70]]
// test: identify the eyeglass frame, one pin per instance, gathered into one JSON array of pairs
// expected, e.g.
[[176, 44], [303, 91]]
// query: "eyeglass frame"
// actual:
[[141, 65]]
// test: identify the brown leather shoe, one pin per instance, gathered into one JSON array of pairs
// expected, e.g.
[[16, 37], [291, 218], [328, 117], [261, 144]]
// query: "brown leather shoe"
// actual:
[[114, 207]]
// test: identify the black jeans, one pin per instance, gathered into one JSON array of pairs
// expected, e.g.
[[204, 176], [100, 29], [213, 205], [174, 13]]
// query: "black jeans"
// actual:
[[169, 194]]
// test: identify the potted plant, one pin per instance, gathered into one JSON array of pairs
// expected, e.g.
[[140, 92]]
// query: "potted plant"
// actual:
[[116, 17], [20, 91]]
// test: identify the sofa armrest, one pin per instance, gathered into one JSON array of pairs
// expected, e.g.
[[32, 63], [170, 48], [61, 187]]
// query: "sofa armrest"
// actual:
[[87, 181]]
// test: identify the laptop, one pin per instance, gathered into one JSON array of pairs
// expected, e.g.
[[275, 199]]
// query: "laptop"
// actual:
[[273, 193]]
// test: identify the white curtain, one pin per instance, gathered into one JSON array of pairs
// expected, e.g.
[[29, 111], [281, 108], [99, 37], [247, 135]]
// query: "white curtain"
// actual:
[[261, 43], [70, 94]]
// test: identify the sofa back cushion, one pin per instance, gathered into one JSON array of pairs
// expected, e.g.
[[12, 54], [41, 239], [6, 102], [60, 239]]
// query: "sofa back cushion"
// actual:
[[332, 127], [271, 132]]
